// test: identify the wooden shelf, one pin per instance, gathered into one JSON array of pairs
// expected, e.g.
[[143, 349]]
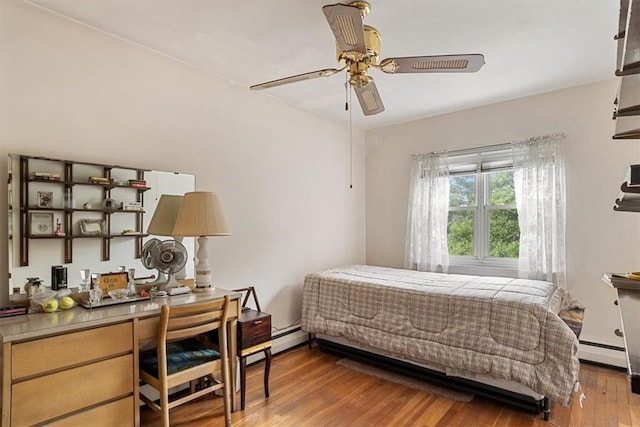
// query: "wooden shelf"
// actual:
[[110, 186], [632, 134], [68, 182], [629, 70], [626, 189], [629, 201], [618, 208], [96, 184], [107, 236], [88, 236], [629, 111], [98, 210]]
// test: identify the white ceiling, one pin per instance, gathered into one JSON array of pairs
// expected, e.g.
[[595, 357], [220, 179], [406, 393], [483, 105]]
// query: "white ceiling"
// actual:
[[530, 46]]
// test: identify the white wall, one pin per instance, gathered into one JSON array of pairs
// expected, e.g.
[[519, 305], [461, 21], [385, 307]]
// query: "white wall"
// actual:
[[69, 91], [598, 239]]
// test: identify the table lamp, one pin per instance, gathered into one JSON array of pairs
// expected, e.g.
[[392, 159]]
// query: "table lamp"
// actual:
[[162, 222], [200, 216]]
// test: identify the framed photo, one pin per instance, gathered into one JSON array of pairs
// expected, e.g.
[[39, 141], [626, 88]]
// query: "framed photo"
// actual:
[[41, 224], [91, 227], [111, 281], [45, 199]]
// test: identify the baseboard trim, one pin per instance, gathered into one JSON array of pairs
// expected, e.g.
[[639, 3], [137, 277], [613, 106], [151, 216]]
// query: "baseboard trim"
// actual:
[[292, 339], [286, 332], [603, 365], [281, 342], [607, 346], [602, 354]]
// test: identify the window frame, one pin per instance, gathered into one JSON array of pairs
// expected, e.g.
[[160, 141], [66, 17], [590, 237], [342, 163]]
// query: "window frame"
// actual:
[[485, 161]]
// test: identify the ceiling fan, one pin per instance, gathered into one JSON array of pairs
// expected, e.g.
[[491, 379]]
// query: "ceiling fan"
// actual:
[[358, 49]]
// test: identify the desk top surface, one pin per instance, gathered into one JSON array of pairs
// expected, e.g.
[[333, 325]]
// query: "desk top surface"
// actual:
[[36, 325]]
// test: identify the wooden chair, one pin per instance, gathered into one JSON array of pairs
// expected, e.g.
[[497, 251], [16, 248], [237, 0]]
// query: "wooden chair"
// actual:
[[181, 356]]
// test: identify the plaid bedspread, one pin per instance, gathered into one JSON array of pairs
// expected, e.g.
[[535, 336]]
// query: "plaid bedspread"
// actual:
[[502, 327]]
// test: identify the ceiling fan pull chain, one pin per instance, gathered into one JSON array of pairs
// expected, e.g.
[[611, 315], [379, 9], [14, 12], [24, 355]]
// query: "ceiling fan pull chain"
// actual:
[[346, 92], [350, 141]]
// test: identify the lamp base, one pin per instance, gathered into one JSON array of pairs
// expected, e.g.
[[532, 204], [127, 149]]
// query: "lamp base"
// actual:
[[203, 282], [203, 289]]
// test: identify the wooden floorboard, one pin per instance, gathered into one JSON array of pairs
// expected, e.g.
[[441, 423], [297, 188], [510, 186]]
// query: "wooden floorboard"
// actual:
[[308, 388]]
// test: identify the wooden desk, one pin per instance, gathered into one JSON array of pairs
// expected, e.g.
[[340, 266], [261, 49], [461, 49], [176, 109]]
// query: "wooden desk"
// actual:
[[80, 366]]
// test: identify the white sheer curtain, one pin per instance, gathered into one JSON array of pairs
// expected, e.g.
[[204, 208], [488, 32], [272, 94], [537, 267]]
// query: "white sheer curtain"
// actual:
[[539, 181], [426, 242]]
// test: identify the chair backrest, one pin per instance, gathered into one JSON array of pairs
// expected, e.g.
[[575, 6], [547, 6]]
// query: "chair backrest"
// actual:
[[184, 321]]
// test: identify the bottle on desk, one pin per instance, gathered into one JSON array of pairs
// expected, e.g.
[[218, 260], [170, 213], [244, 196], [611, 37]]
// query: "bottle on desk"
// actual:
[[131, 285]]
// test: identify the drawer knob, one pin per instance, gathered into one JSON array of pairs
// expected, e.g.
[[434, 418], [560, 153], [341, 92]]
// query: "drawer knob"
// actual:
[[618, 332], [257, 322], [615, 302]]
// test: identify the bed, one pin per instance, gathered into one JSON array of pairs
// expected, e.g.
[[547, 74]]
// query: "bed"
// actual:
[[503, 335]]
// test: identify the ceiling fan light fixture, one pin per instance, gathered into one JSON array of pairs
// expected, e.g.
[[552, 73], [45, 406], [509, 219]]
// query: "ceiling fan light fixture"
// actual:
[[446, 64], [358, 73]]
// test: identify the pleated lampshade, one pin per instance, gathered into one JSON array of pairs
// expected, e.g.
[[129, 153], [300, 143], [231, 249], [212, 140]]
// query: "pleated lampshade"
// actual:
[[164, 217], [200, 214]]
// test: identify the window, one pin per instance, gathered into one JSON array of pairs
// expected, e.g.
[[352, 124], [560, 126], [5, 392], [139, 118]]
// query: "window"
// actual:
[[482, 227], [462, 210]]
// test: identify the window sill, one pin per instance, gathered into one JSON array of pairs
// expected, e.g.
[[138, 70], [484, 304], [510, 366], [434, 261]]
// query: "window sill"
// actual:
[[483, 270]]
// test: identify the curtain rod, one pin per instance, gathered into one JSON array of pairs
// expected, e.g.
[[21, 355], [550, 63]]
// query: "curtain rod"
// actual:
[[504, 145], [473, 150]]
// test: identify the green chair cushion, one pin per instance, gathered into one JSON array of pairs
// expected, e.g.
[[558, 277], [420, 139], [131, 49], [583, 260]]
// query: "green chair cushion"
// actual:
[[181, 355]]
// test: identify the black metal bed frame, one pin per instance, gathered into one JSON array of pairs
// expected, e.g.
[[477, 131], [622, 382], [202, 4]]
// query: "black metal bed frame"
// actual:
[[518, 400]]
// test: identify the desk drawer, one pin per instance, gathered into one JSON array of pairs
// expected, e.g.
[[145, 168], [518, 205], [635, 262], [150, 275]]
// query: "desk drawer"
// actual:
[[58, 352], [114, 414], [148, 329], [253, 328], [50, 396]]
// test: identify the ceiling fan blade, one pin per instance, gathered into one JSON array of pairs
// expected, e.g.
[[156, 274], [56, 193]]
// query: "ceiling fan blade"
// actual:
[[433, 64], [369, 98], [346, 24], [292, 79]]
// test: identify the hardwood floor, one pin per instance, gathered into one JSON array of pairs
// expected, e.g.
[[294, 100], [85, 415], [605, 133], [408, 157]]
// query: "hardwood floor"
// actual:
[[308, 388]]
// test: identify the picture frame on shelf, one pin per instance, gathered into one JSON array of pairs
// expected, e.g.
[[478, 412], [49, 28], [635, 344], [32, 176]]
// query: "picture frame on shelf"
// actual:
[[111, 281], [41, 224], [91, 227], [45, 199]]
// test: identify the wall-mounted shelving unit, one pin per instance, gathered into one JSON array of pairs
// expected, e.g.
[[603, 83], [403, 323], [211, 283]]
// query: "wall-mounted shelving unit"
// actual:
[[627, 117], [627, 103], [68, 181]]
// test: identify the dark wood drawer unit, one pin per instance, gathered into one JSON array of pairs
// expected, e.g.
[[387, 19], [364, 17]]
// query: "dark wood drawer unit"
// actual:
[[254, 335], [254, 327]]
